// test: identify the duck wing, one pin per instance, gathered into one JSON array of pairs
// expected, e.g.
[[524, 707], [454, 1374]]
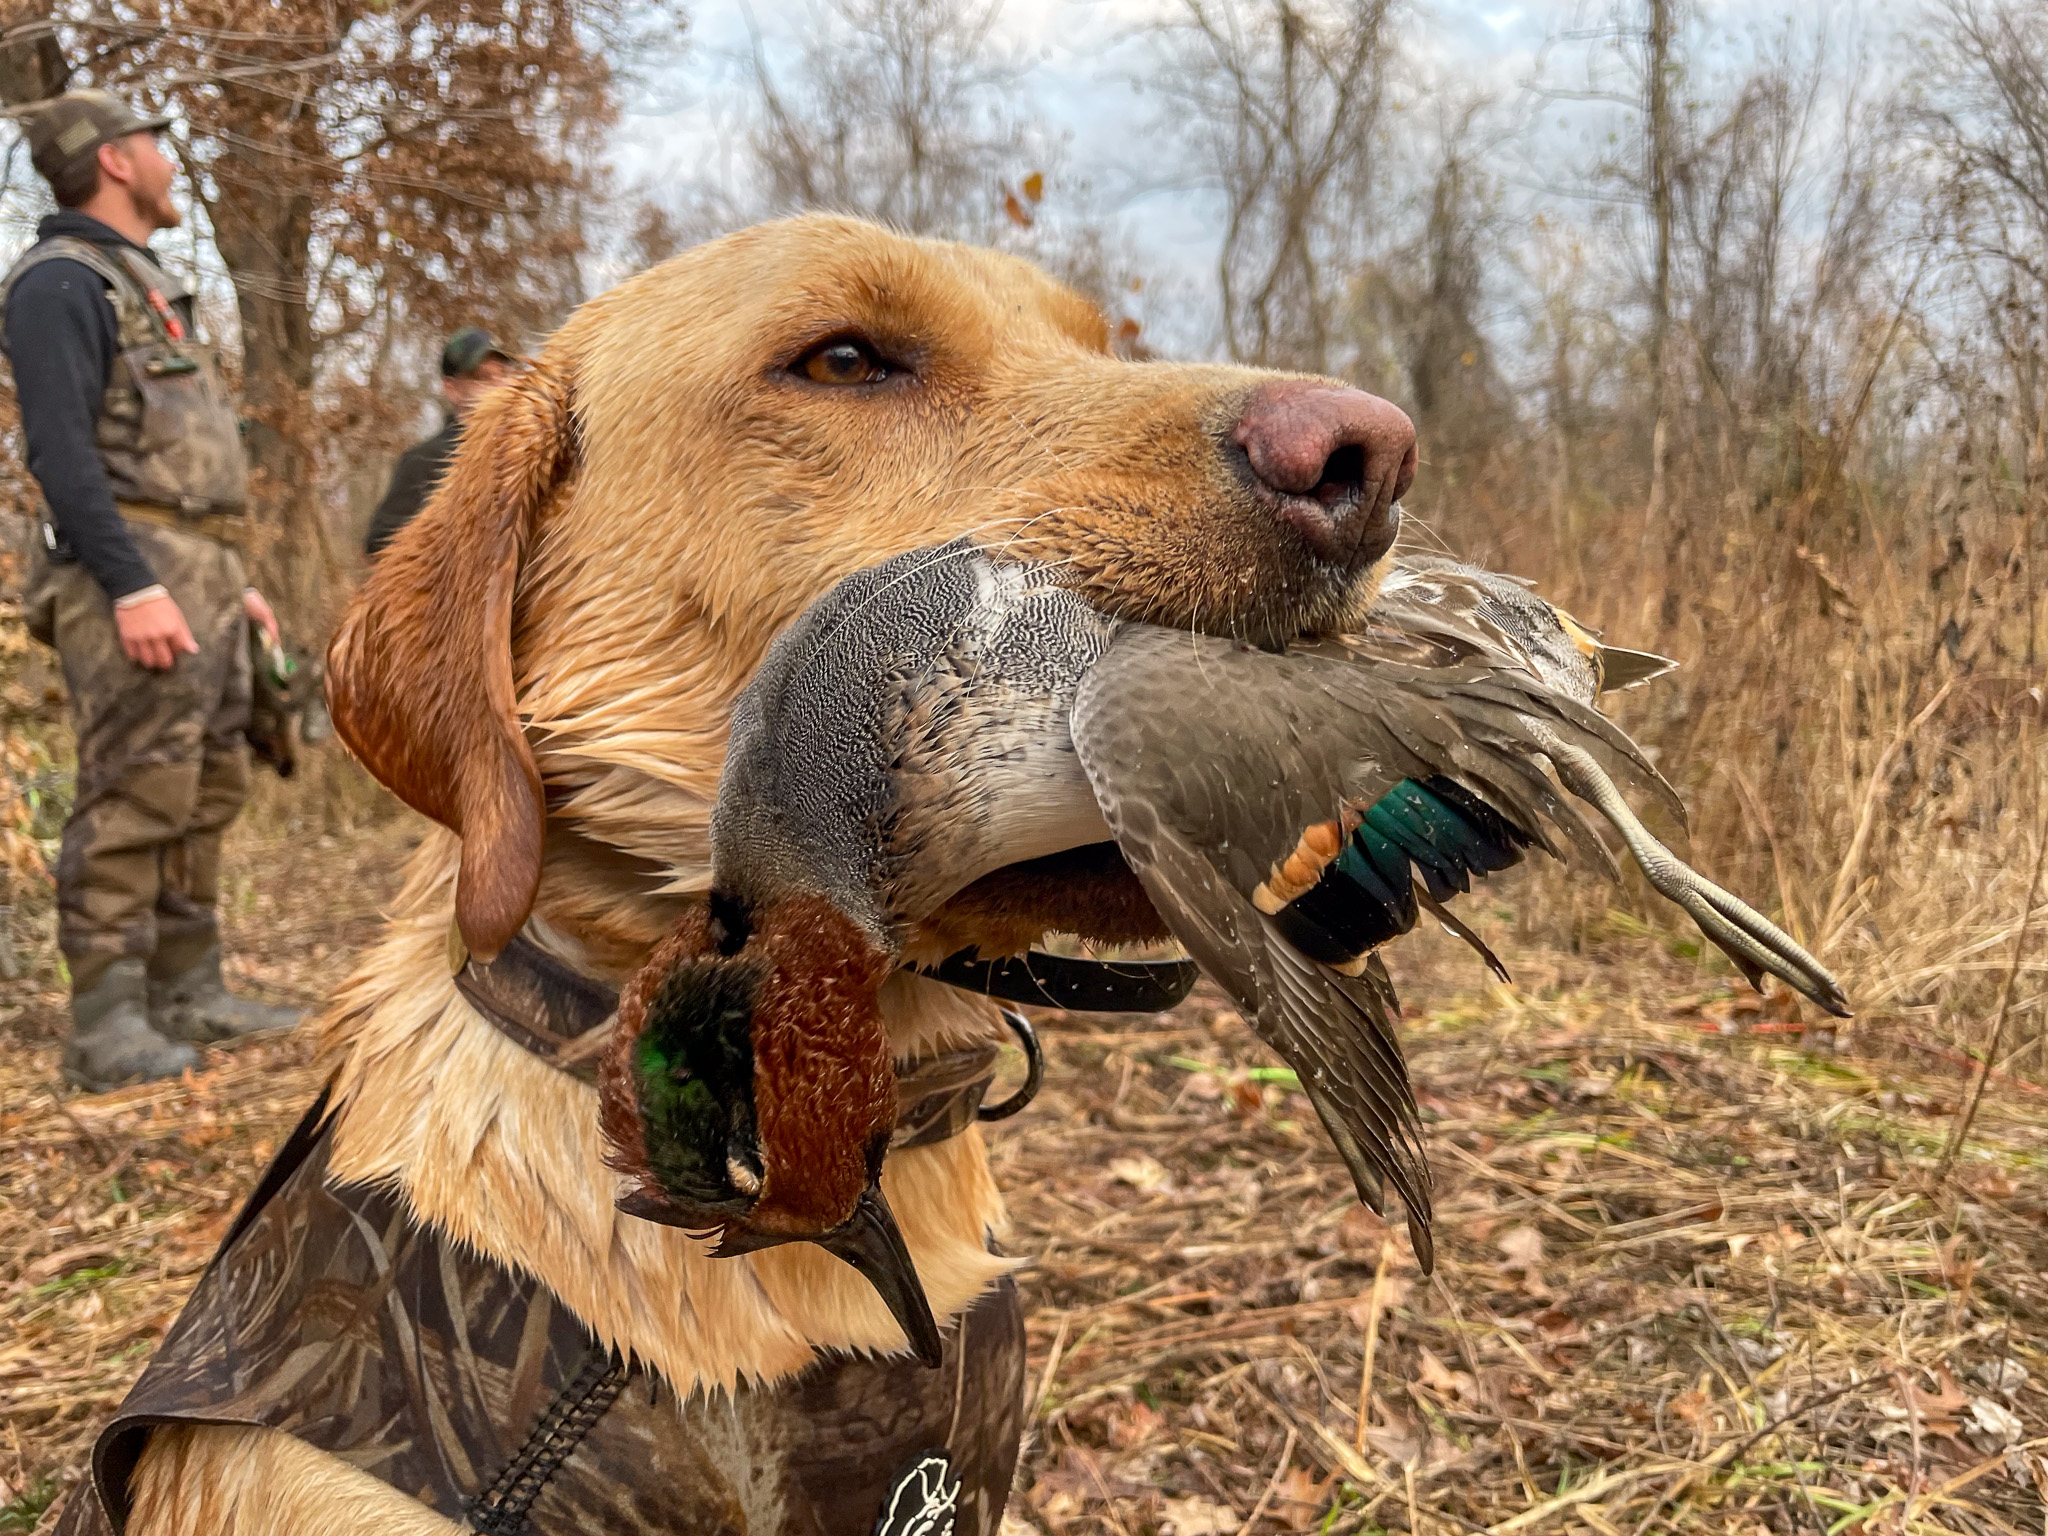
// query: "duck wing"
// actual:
[[1246, 790], [1439, 612], [1285, 811]]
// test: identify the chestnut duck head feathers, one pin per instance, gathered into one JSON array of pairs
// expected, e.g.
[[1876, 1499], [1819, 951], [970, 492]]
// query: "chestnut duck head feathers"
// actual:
[[748, 1092]]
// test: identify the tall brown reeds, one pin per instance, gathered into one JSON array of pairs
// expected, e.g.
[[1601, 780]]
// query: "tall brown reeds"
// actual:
[[1854, 722]]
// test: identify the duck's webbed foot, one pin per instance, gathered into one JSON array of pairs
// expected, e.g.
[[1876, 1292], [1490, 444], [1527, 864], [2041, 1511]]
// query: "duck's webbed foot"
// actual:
[[1755, 943]]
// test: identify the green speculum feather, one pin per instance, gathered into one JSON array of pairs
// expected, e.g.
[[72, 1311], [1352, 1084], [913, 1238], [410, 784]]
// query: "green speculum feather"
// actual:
[[1435, 829], [693, 1065]]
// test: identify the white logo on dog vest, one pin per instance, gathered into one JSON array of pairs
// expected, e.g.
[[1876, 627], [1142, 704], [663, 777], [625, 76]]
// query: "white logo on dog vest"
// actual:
[[924, 1501]]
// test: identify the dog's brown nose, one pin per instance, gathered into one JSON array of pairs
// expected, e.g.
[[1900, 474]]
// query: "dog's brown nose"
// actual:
[[1334, 461]]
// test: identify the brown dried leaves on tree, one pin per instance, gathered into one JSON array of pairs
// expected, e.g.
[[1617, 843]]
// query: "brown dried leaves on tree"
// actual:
[[373, 175]]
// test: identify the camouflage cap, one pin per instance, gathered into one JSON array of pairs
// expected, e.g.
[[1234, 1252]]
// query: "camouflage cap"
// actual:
[[70, 127], [466, 351]]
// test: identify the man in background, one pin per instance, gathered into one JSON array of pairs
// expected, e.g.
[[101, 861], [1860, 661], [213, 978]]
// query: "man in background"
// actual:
[[136, 445], [470, 364]]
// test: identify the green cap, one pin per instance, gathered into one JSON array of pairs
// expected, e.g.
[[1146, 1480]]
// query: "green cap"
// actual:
[[466, 351], [69, 128]]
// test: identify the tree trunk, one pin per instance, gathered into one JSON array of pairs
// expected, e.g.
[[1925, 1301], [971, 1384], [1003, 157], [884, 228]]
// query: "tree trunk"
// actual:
[[262, 213], [32, 64], [1657, 143], [1659, 133]]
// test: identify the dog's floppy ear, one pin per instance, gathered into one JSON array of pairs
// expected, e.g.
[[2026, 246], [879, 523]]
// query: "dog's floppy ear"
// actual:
[[419, 677]]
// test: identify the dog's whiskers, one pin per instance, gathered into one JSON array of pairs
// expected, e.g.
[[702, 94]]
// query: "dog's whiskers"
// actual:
[[1421, 525], [1036, 438]]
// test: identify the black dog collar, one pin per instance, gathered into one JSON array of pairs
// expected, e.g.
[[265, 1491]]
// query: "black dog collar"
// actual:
[[560, 1014], [1075, 985]]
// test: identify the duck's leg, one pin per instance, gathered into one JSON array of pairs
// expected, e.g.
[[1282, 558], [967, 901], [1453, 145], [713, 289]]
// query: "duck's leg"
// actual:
[[1751, 940]]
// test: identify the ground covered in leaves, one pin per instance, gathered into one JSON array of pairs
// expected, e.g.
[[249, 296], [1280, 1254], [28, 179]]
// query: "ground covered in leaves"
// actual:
[[1697, 1269], [1692, 1275]]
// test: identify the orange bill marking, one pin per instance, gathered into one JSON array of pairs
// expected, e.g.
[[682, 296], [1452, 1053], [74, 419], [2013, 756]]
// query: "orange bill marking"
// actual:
[[1301, 869]]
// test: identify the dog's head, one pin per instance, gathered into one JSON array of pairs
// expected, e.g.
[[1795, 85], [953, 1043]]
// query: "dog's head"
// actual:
[[703, 450]]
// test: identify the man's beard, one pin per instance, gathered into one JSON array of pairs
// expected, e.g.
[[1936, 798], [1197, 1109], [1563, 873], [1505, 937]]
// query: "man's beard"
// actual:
[[160, 210]]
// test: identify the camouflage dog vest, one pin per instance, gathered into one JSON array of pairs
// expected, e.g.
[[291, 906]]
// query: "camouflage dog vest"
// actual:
[[332, 1315]]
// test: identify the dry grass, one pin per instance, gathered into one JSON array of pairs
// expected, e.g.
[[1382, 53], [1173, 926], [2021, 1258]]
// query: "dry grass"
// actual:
[[1689, 1279], [1856, 723]]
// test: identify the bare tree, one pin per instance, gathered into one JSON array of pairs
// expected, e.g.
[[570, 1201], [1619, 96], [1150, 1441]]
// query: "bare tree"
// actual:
[[1986, 113], [32, 62], [1987, 110], [1450, 367], [1283, 103], [903, 111], [1781, 233], [1418, 331], [1758, 210], [1659, 134], [908, 112]]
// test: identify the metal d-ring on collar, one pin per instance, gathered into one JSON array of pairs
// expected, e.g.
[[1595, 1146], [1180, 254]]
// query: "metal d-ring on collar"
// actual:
[[1034, 1069]]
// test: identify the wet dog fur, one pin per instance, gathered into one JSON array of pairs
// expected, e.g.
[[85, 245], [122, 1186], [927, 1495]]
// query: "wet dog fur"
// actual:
[[543, 662]]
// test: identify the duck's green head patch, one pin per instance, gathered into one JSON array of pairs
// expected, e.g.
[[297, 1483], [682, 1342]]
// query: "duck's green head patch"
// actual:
[[694, 1068], [681, 1111]]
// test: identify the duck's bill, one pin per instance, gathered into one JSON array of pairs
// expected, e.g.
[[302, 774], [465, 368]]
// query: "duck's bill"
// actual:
[[650, 1205], [869, 1240], [872, 1243]]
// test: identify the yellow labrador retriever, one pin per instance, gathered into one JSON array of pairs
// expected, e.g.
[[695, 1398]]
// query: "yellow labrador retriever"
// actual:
[[544, 662]]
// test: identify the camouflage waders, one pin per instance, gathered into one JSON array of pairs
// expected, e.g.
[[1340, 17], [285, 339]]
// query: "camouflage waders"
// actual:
[[162, 768]]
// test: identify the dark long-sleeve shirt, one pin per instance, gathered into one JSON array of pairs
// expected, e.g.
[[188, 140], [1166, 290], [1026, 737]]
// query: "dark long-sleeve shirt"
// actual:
[[413, 478], [62, 338]]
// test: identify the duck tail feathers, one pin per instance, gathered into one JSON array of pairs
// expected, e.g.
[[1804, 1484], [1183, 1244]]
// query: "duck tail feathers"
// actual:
[[1623, 668]]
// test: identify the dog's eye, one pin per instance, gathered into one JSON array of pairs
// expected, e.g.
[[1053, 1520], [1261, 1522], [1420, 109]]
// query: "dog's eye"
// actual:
[[842, 361]]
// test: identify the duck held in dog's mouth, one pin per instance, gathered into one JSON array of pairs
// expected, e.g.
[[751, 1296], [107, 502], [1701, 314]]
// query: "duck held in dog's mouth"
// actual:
[[948, 716]]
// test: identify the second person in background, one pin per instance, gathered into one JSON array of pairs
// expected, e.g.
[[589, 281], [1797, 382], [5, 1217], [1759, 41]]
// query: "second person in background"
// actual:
[[470, 364]]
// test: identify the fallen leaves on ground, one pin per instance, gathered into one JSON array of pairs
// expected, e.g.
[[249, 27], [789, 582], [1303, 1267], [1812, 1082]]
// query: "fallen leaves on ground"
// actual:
[[1687, 1281], [111, 1205]]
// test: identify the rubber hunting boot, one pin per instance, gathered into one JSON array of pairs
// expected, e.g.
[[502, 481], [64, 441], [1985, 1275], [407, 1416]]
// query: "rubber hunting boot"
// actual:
[[111, 1040], [197, 1006]]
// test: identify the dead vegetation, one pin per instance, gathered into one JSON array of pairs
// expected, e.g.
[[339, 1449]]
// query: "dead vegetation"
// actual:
[[1694, 1274], [1699, 1269], [110, 1206]]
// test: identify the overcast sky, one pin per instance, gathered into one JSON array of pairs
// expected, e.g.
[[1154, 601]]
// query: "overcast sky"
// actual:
[[1086, 66]]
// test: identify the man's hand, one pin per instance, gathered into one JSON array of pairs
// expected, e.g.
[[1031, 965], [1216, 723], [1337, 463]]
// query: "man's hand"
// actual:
[[257, 608], [154, 634]]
